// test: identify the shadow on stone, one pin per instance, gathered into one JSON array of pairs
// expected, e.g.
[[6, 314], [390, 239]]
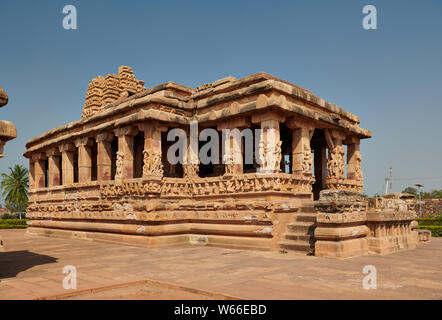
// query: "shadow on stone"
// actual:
[[14, 262]]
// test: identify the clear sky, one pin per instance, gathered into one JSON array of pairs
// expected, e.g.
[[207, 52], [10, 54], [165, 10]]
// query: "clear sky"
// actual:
[[390, 77]]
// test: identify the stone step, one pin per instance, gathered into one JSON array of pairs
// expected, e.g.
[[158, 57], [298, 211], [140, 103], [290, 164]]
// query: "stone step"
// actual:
[[300, 237], [305, 217], [308, 207], [297, 246], [301, 228]]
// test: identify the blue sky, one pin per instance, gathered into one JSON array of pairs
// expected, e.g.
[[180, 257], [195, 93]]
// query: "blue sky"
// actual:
[[390, 77]]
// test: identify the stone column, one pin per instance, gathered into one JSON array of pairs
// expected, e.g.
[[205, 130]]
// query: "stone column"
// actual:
[[84, 159], [125, 153], [191, 163], [302, 132], [67, 163], [152, 152], [31, 174], [104, 156], [354, 158], [270, 153], [40, 169], [54, 167], [232, 154]]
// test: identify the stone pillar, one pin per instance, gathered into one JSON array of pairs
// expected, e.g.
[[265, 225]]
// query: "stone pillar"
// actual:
[[191, 163], [67, 163], [354, 159], [336, 161], [125, 153], [40, 169], [232, 134], [152, 152], [270, 153], [31, 174], [104, 156], [84, 159], [302, 132], [54, 167]]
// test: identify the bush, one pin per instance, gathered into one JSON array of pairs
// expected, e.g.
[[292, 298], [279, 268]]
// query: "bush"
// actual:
[[436, 231], [12, 226], [6, 216], [430, 221], [13, 223]]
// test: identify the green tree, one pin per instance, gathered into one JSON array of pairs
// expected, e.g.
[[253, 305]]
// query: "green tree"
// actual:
[[412, 191], [15, 188]]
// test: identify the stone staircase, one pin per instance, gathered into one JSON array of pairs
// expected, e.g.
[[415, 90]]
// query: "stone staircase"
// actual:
[[299, 236]]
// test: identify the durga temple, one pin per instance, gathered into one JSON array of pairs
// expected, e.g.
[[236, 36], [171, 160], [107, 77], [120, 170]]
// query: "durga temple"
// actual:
[[107, 177]]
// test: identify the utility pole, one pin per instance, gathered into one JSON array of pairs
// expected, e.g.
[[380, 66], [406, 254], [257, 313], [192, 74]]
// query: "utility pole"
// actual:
[[388, 181], [420, 199]]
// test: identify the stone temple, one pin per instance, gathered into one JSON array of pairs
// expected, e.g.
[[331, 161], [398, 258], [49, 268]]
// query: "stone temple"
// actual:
[[107, 176]]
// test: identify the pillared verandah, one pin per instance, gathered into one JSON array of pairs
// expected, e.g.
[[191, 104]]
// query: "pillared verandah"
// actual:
[[107, 176]]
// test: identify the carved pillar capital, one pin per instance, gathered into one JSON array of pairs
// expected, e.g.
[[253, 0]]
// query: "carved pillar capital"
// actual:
[[67, 147], [126, 131], [38, 156], [53, 152], [83, 141], [104, 137]]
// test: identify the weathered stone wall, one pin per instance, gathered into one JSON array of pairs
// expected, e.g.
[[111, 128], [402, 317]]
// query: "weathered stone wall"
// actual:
[[429, 206]]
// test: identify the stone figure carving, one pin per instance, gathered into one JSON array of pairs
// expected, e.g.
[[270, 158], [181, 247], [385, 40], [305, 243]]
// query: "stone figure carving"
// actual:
[[152, 164], [278, 156], [358, 172], [191, 170], [228, 161], [336, 163], [271, 156], [307, 159], [120, 165]]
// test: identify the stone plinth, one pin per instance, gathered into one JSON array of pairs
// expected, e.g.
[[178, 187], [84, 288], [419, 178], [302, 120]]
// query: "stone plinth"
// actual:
[[346, 228]]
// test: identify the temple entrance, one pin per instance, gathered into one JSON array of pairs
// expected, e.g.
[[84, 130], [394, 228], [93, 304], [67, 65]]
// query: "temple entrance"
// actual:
[[318, 145]]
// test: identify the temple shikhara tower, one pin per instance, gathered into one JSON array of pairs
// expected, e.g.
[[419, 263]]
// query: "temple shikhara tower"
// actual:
[[107, 177]]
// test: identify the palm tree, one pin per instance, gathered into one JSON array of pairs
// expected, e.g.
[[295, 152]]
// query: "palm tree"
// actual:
[[15, 187]]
